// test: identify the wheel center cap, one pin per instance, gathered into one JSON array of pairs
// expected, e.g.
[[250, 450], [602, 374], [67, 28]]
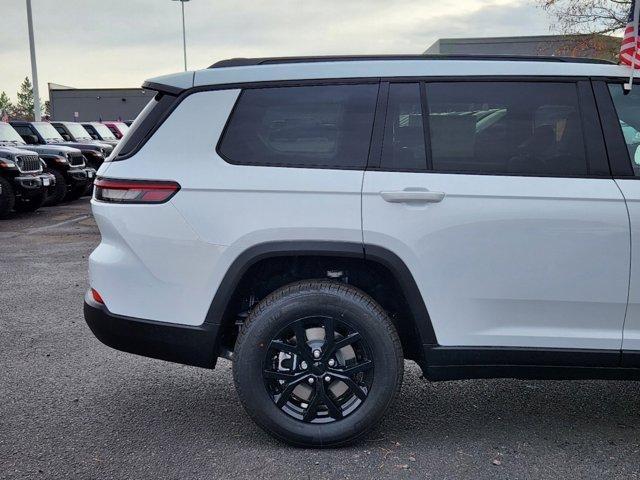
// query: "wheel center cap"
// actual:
[[317, 368]]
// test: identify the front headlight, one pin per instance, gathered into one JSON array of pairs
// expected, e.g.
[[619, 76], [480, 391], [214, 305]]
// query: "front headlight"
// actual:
[[62, 160], [4, 163]]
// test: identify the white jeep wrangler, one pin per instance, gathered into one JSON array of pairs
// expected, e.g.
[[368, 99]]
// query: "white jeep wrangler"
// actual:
[[320, 220]]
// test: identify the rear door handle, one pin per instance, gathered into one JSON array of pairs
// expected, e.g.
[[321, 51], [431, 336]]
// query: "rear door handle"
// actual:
[[412, 196]]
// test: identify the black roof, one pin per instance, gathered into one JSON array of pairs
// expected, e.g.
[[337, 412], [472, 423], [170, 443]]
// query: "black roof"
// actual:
[[240, 62]]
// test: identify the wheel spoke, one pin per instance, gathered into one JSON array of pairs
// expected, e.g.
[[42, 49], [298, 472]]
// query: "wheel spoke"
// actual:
[[334, 410], [352, 386], [350, 371], [312, 409], [301, 341], [329, 335], [286, 393], [348, 340], [285, 376]]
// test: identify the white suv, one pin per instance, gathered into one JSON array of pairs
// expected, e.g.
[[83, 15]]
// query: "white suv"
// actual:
[[319, 220]]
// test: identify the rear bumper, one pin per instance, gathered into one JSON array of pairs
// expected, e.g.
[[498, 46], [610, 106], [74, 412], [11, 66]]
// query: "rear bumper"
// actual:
[[189, 345]]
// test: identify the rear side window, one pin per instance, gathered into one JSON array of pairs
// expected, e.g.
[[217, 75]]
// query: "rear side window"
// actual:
[[144, 125], [506, 128], [316, 126]]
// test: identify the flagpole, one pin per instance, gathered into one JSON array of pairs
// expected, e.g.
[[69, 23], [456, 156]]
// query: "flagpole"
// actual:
[[636, 18]]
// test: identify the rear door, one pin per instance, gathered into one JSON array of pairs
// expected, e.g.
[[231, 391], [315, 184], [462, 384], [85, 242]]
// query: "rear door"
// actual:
[[621, 122], [498, 197]]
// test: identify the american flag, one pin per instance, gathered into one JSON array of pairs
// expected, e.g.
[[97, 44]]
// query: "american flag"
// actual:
[[631, 41]]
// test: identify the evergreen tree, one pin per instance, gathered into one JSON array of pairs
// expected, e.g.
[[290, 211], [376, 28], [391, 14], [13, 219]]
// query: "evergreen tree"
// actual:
[[6, 107], [24, 107]]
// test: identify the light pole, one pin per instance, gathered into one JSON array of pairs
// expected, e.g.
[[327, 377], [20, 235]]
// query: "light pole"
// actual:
[[37, 113], [184, 35]]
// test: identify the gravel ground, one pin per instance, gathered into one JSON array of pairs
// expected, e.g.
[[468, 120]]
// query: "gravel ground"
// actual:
[[72, 408]]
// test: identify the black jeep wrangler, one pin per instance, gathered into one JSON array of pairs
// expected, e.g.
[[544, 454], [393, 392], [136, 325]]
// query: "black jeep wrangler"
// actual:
[[44, 133], [66, 163], [23, 184]]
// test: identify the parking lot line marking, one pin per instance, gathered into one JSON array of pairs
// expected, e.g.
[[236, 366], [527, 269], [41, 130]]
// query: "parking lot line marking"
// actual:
[[55, 225]]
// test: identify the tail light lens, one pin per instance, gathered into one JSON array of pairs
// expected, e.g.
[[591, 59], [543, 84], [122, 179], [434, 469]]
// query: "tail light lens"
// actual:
[[134, 191], [96, 296]]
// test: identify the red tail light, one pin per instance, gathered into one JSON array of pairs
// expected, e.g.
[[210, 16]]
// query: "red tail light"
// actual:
[[96, 296], [134, 191]]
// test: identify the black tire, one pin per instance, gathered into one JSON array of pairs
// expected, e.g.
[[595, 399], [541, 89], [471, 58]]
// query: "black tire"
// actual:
[[76, 192], [351, 415], [30, 204], [60, 189], [7, 197]]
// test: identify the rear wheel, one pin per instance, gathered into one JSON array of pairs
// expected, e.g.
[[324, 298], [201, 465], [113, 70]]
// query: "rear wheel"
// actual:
[[76, 192], [317, 363], [7, 197]]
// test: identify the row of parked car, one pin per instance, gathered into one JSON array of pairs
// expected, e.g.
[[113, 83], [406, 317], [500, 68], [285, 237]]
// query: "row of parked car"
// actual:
[[51, 162]]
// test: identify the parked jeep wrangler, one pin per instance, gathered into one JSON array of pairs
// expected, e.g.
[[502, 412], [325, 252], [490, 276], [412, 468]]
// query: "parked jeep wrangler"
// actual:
[[44, 133], [66, 164], [100, 132], [23, 182], [75, 132], [117, 128], [320, 220]]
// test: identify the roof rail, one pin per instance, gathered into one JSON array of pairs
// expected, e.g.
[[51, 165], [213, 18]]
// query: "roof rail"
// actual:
[[242, 62]]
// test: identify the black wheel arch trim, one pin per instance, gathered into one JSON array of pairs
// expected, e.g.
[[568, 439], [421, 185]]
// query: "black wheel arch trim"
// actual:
[[366, 252]]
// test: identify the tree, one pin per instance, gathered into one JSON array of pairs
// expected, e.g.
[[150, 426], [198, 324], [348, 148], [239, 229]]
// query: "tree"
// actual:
[[24, 107], [588, 25], [603, 17], [6, 107]]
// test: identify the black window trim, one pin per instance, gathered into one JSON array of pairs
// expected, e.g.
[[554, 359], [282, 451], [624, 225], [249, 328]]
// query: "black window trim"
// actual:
[[296, 83], [179, 97], [375, 163]]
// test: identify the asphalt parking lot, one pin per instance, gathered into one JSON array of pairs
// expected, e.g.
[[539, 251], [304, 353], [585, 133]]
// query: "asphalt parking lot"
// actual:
[[73, 408]]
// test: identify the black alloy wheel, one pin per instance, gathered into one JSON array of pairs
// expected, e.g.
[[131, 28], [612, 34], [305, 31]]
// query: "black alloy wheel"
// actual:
[[318, 369], [317, 363]]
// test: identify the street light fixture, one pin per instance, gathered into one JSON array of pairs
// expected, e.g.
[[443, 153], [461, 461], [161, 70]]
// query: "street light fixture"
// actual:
[[184, 35]]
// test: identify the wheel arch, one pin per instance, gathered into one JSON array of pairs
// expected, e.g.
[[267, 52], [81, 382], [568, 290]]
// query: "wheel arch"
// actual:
[[221, 311]]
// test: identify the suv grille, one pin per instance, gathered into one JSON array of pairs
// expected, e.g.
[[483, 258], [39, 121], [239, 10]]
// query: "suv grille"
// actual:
[[76, 160], [29, 163]]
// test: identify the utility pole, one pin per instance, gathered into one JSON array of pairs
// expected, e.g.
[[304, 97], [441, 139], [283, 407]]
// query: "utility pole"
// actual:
[[184, 34], [37, 112]]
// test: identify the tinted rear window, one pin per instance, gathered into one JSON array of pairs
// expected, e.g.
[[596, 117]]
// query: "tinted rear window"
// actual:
[[145, 124], [506, 128], [315, 126]]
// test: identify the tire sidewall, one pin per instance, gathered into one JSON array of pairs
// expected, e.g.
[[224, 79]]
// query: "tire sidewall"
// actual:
[[361, 315], [60, 189], [7, 197]]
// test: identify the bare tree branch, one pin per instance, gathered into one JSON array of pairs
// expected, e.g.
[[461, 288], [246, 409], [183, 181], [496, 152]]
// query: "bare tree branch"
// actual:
[[587, 16]]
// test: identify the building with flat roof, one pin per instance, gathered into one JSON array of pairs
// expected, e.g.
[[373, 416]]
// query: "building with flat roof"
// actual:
[[593, 46], [96, 104]]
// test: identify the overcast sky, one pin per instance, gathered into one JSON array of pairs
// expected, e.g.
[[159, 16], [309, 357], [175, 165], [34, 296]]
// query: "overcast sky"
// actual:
[[120, 43]]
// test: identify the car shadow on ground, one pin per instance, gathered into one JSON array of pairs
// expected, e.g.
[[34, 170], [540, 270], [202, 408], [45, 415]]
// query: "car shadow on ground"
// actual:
[[466, 411]]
